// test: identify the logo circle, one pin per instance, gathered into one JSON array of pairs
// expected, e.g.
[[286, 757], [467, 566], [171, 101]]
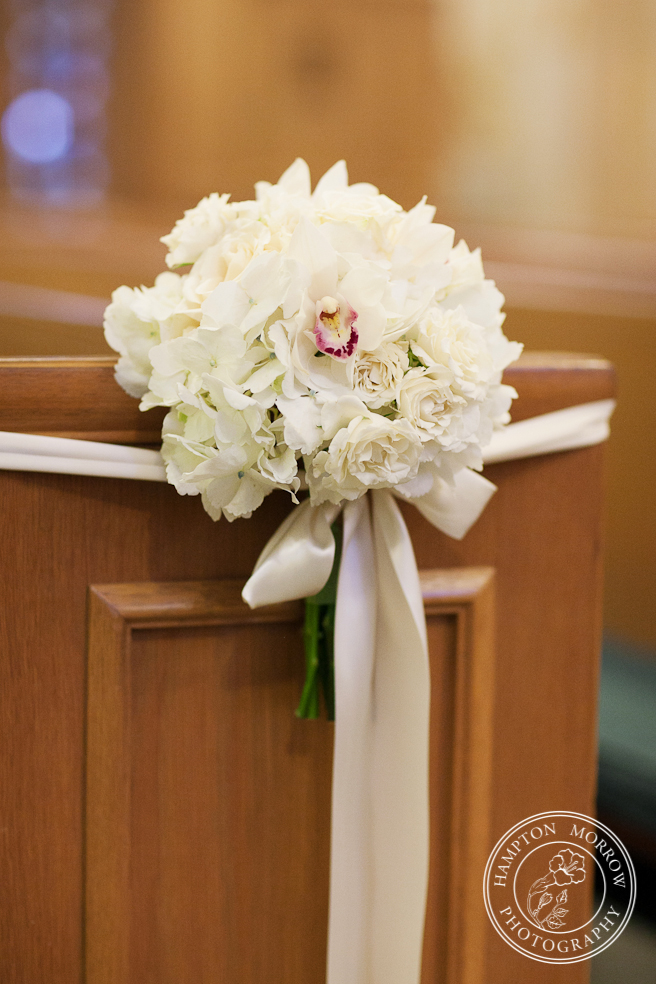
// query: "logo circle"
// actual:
[[538, 887]]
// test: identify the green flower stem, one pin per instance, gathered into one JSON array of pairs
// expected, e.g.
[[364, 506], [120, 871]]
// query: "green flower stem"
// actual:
[[309, 703], [319, 638], [327, 664]]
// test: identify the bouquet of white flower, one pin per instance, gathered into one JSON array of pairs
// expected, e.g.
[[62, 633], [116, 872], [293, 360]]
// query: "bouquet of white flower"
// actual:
[[330, 334], [326, 340], [332, 343]]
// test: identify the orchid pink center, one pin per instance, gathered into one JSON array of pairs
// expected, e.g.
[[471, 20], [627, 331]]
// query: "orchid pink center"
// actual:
[[334, 329]]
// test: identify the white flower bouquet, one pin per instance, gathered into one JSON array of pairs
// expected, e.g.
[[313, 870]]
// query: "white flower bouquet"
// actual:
[[325, 340]]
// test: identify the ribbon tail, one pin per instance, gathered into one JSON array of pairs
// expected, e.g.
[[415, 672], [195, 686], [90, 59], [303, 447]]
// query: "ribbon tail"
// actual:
[[400, 804], [454, 509], [297, 560], [349, 925], [562, 430]]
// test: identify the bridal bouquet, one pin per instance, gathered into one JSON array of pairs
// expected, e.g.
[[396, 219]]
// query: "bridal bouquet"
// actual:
[[325, 340], [328, 338]]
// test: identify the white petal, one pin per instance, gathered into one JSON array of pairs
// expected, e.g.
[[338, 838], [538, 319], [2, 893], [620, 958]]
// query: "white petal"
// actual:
[[266, 280], [224, 463], [364, 188], [249, 496], [280, 339], [237, 400], [299, 281], [371, 327], [311, 248], [227, 304], [282, 469], [363, 286], [296, 179], [230, 427], [221, 490], [420, 245], [225, 344], [168, 358], [335, 179], [198, 427], [482, 303], [339, 413], [264, 376], [302, 423], [133, 382]]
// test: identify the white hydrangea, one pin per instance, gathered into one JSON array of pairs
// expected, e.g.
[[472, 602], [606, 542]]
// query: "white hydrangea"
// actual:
[[328, 335], [138, 319]]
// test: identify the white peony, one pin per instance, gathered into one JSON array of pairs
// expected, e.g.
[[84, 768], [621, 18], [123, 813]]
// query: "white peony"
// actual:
[[329, 328]]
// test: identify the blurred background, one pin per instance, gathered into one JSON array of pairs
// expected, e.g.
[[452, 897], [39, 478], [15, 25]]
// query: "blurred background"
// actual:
[[531, 124]]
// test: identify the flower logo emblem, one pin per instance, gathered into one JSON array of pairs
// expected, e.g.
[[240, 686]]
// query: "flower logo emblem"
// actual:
[[565, 868]]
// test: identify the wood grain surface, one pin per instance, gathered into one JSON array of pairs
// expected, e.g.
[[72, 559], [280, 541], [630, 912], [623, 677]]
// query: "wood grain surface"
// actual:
[[208, 803], [541, 533]]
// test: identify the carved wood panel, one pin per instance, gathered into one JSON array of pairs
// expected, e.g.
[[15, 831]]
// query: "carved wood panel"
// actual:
[[208, 802]]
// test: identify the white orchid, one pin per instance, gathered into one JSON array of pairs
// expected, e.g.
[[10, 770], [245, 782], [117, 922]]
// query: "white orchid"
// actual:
[[327, 329]]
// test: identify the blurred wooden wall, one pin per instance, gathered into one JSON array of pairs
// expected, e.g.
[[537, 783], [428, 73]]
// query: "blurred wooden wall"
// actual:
[[552, 117], [220, 93]]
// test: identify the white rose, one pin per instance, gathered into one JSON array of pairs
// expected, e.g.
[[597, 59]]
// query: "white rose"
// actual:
[[450, 341], [200, 227], [376, 375], [469, 289], [225, 261], [466, 266], [371, 452], [428, 405]]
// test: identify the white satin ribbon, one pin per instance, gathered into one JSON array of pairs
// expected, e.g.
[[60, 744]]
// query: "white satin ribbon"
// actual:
[[297, 560], [454, 509], [561, 430], [399, 790], [65, 456], [350, 918], [380, 809], [380, 806]]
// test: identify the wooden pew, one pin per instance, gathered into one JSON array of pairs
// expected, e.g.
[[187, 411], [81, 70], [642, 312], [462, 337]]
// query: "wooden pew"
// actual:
[[165, 816]]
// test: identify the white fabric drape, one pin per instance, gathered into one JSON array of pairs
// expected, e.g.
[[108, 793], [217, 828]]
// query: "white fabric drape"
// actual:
[[380, 810]]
